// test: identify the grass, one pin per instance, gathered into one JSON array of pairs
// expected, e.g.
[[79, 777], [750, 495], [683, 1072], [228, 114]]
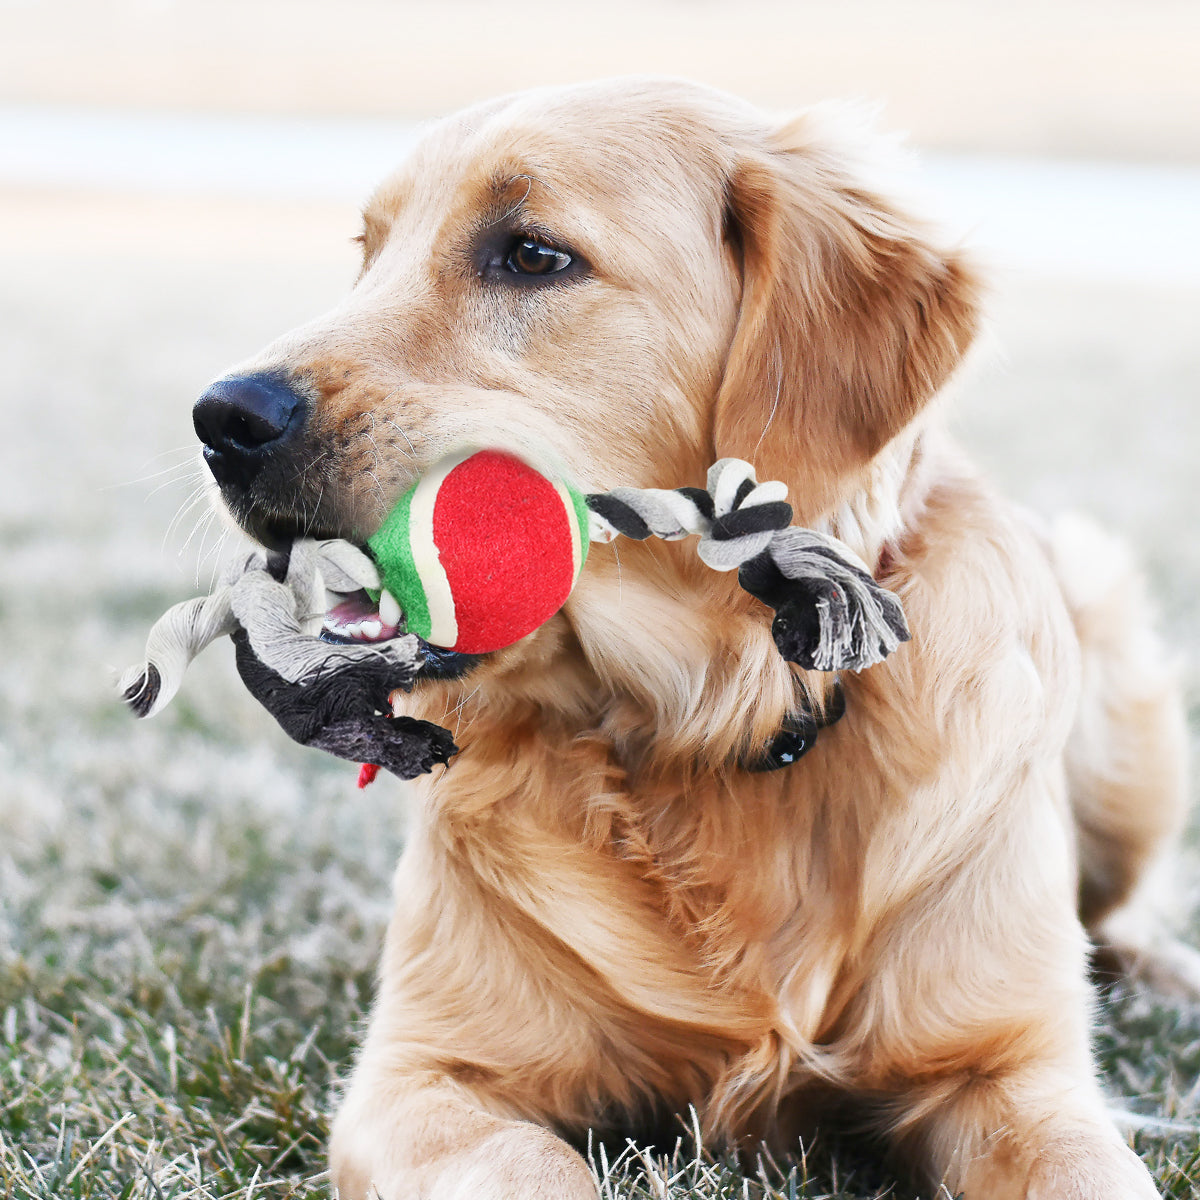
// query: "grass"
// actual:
[[179, 1065], [190, 908]]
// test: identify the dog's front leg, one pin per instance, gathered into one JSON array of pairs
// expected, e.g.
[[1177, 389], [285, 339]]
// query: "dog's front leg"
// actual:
[[408, 1138], [1002, 1102], [465, 1041]]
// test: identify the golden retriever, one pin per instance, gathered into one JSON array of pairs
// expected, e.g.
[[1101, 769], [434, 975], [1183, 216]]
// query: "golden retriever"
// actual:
[[601, 913]]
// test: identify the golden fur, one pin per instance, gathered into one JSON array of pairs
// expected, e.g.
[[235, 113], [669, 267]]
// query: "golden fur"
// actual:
[[598, 913]]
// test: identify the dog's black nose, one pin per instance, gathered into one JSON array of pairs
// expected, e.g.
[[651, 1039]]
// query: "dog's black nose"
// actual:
[[242, 421]]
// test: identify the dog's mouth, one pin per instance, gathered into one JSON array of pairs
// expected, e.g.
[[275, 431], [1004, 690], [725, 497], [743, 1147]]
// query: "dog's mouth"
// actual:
[[362, 620], [357, 619]]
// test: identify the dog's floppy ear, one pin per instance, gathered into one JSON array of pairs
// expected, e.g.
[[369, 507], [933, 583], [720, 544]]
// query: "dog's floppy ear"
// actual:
[[850, 320]]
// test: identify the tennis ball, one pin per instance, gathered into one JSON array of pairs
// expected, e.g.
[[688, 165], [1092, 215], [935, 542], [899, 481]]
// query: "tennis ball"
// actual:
[[481, 551]]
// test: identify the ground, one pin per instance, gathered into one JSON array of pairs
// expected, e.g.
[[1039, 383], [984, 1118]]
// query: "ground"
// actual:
[[191, 907]]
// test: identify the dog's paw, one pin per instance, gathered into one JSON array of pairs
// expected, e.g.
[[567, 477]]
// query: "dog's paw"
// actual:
[[473, 1157], [1088, 1168], [519, 1163]]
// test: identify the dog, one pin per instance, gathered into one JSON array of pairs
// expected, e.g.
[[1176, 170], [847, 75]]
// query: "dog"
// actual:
[[603, 911]]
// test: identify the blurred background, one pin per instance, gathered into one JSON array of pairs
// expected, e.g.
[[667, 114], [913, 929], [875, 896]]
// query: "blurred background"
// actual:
[[179, 183]]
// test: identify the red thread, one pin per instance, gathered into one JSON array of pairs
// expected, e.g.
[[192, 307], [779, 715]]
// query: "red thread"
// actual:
[[367, 773]]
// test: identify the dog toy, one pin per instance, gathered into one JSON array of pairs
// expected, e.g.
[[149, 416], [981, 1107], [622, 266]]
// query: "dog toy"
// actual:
[[331, 697], [480, 552]]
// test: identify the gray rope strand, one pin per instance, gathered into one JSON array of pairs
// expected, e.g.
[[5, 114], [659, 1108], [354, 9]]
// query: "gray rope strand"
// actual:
[[175, 639]]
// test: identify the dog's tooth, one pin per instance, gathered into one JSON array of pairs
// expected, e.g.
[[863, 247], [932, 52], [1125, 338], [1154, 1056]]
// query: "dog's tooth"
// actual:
[[389, 609], [351, 630], [371, 628]]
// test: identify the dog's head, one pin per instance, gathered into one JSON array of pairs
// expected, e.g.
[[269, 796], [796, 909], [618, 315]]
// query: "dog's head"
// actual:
[[623, 282]]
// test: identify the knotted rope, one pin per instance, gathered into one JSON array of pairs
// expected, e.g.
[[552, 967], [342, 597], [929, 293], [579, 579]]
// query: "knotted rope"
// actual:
[[831, 614]]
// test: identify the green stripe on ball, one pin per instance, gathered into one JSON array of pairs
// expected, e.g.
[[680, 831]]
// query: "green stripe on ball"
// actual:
[[391, 547]]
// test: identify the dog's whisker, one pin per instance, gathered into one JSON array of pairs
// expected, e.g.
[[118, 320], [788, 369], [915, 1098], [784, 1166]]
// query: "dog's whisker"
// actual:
[[218, 554], [310, 522], [197, 496], [182, 473], [306, 520], [300, 475], [198, 492], [204, 522], [528, 180], [777, 361], [168, 474], [187, 458], [205, 554], [368, 435], [457, 713], [458, 708], [412, 451]]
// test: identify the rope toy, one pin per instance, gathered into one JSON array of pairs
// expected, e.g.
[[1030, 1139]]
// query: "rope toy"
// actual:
[[479, 553]]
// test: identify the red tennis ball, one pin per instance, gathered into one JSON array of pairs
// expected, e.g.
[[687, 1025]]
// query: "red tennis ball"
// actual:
[[481, 551]]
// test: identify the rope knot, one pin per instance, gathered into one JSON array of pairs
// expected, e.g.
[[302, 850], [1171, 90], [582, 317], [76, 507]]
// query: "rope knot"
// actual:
[[830, 613]]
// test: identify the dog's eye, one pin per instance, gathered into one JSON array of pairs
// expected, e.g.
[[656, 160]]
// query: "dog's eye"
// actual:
[[528, 256]]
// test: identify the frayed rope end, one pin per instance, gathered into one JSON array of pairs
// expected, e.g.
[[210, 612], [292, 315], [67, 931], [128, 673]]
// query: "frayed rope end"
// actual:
[[141, 692]]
